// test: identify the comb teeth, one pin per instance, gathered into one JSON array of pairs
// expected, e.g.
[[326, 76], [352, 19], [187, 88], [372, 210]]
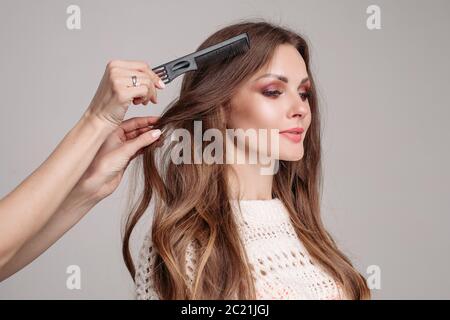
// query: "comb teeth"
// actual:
[[223, 54], [161, 72]]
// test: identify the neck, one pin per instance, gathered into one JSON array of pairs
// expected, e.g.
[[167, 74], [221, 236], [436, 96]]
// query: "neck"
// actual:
[[250, 182]]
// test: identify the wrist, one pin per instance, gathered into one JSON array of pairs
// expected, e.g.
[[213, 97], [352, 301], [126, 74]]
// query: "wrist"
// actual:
[[78, 201], [93, 188], [98, 122]]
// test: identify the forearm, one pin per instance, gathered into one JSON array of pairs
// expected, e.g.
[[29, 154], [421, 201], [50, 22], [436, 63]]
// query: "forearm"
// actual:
[[71, 211], [25, 210]]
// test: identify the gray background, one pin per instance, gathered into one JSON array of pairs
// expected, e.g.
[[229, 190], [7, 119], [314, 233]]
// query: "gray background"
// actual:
[[384, 99]]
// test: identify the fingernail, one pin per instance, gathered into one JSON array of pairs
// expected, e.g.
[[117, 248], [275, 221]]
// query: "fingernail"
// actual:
[[161, 83], [156, 133]]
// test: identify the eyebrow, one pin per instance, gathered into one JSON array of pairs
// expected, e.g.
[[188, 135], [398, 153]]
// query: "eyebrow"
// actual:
[[280, 77]]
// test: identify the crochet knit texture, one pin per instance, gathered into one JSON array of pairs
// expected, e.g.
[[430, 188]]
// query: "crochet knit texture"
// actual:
[[281, 266]]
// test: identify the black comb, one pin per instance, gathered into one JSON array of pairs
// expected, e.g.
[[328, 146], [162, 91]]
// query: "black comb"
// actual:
[[218, 52]]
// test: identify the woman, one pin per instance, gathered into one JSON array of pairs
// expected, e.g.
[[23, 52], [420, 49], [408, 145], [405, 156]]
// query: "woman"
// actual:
[[225, 231], [85, 167]]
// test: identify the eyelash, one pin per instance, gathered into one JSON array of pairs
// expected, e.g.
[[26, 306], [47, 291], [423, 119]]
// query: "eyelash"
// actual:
[[270, 93]]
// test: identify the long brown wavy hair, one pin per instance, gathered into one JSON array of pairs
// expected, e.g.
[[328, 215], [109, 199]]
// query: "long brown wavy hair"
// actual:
[[191, 201]]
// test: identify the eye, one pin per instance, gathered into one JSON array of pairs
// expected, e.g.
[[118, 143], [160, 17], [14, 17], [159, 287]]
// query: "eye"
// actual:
[[271, 93], [305, 95]]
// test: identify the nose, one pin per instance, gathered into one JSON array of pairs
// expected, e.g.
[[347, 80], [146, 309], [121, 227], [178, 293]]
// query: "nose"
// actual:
[[298, 107]]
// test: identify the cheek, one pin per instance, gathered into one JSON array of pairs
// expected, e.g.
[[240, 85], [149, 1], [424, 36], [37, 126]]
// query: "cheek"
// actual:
[[255, 112]]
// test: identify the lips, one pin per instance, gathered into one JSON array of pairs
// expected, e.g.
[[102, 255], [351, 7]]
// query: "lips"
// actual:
[[294, 130], [293, 134]]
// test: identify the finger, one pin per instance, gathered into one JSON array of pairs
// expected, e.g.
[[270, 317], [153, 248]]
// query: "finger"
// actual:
[[133, 134], [132, 146], [138, 122], [132, 93], [158, 82], [148, 78], [143, 78], [140, 100], [137, 154], [143, 67], [125, 79]]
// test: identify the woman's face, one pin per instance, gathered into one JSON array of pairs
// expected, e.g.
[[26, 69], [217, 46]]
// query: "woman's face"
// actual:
[[272, 102]]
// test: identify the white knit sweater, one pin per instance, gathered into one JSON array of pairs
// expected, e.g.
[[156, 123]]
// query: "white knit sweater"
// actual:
[[281, 266]]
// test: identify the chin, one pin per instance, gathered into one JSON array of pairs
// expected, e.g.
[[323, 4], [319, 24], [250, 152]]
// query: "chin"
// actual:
[[291, 156], [290, 152]]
